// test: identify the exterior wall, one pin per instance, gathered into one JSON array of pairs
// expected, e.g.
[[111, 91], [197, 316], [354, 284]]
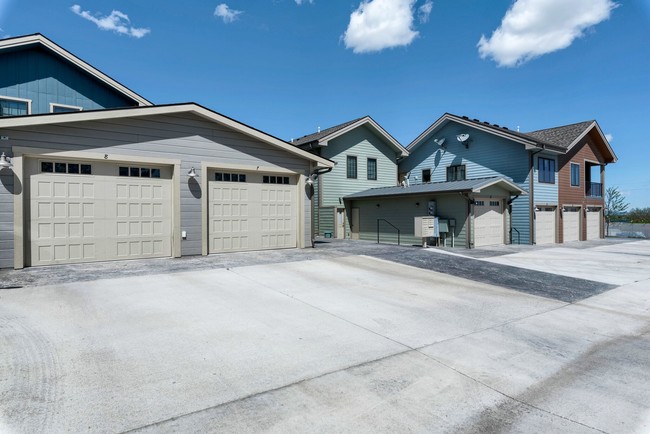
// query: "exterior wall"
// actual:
[[545, 193], [401, 212], [363, 144], [183, 137], [41, 77], [486, 156], [576, 196]]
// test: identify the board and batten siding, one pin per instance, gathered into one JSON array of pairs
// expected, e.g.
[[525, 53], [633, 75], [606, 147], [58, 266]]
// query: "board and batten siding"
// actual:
[[41, 77], [363, 144], [486, 156], [401, 212], [185, 137]]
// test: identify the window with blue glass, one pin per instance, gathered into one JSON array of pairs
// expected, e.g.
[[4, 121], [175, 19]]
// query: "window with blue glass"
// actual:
[[352, 167], [13, 107], [575, 175], [546, 170]]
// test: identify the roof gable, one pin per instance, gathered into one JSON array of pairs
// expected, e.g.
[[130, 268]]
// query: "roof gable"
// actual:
[[322, 137], [135, 112], [40, 41]]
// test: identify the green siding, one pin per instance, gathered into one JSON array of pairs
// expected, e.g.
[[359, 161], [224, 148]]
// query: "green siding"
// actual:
[[326, 224], [401, 212]]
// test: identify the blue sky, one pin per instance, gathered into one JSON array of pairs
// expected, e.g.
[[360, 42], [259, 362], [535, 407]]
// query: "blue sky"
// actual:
[[288, 67]]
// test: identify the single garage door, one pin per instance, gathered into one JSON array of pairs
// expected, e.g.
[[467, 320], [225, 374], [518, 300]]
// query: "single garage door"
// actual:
[[252, 211], [545, 225], [84, 211], [571, 225], [593, 224], [488, 222]]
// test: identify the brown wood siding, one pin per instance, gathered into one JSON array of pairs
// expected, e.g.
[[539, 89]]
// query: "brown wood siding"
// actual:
[[587, 150]]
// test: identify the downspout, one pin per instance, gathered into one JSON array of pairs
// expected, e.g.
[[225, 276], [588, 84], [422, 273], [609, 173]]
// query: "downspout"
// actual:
[[531, 201], [509, 203], [313, 176]]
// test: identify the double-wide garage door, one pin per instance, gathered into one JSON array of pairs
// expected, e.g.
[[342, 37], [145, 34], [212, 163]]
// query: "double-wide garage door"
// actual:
[[251, 211], [95, 211], [488, 222]]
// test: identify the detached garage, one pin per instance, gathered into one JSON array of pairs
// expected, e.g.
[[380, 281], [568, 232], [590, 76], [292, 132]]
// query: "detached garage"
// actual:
[[147, 182]]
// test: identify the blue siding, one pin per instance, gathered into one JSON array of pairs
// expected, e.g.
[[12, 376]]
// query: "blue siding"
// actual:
[[487, 156], [39, 76], [544, 192]]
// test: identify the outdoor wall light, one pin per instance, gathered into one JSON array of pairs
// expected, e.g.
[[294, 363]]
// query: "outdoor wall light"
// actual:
[[5, 162], [192, 173], [417, 203]]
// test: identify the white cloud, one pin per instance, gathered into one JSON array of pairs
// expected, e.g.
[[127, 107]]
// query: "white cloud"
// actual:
[[299, 2], [117, 22], [425, 10], [228, 15], [532, 28], [380, 24], [609, 137]]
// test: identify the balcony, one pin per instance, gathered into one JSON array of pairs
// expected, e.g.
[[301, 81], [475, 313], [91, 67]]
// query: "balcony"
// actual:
[[594, 189]]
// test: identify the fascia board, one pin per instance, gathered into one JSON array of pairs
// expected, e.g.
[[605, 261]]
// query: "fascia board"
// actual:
[[40, 39], [602, 136], [98, 115], [374, 125], [512, 187]]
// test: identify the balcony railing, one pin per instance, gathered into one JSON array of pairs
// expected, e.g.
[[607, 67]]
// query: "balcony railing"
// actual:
[[594, 189]]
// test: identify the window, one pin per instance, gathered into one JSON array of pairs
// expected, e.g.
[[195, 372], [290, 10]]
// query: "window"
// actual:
[[494, 203], [456, 173], [71, 168], [230, 177], [575, 175], [139, 172], [62, 108], [479, 203], [372, 169], [276, 180], [426, 175], [352, 167], [14, 106], [546, 170]]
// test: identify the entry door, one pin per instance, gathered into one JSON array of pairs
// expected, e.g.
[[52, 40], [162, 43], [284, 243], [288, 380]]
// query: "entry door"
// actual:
[[340, 223], [354, 226]]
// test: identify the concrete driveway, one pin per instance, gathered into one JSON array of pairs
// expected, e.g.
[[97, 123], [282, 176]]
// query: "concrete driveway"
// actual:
[[342, 343]]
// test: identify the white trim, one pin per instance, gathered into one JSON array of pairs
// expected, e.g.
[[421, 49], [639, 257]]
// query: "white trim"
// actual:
[[73, 107], [602, 136], [25, 100], [134, 112], [513, 187], [366, 120], [42, 40]]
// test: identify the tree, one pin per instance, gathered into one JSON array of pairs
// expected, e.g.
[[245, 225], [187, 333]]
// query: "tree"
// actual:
[[639, 215], [615, 204]]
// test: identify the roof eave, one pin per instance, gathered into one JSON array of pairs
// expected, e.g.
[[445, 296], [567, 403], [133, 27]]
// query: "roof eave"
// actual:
[[323, 141]]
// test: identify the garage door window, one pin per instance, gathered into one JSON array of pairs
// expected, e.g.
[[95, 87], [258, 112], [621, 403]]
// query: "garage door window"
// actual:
[[71, 168], [276, 180], [139, 172], [230, 177]]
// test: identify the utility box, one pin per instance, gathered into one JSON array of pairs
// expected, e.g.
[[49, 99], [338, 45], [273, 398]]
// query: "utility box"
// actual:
[[426, 227]]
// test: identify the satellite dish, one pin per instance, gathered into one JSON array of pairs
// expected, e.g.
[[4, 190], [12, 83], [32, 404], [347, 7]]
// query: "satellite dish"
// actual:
[[464, 139], [440, 142]]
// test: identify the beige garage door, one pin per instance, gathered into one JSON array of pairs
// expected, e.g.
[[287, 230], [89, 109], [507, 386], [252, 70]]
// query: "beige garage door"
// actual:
[[252, 211], [85, 211], [593, 224], [571, 225], [488, 222], [545, 225]]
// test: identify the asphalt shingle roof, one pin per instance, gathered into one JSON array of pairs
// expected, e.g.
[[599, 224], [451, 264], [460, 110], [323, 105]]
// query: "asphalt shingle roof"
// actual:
[[432, 187], [561, 136], [323, 133]]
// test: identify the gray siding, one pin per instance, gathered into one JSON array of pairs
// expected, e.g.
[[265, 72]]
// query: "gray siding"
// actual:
[[43, 78], [544, 192], [401, 212], [184, 136]]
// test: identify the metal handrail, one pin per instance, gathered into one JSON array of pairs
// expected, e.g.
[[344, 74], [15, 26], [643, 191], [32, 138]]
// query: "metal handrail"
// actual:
[[518, 235], [394, 227]]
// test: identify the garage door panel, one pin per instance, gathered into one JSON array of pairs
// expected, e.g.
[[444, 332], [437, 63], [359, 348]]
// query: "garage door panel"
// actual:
[[488, 222], [252, 215], [545, 226], [571, 225], [593, 225], [84, 218]]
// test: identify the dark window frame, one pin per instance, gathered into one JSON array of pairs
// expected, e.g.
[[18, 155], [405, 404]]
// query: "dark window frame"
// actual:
[[426, 175], [545, 170], [575, 177], [351, 170], [372, 175], [456, 172]]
